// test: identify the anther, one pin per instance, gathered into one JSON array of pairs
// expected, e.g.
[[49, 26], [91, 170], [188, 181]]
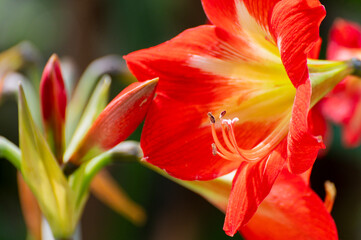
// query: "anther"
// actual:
[[211, 117], [222, 114], [214, 149]]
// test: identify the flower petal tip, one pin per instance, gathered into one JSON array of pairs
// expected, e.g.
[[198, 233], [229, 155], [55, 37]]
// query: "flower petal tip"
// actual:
[[230, 229]]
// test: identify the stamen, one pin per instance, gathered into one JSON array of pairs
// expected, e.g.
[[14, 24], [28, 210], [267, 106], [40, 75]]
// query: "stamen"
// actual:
[[224, 153], [214, 149], [211, 117], [233, 152], [222, 114], [330, 195], [226, 137]]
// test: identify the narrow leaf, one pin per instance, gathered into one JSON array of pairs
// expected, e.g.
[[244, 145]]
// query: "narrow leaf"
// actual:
[[106, 189], [112, 65], [118, 120], [43, 175], [95, 106]]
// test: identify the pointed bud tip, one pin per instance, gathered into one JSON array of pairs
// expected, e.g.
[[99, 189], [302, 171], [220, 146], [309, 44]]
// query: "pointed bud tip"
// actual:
[[52, 65], [151, 83], [148, 86], [21, 92], [154, 80], [54, 58], [229, 231], [106, 79]]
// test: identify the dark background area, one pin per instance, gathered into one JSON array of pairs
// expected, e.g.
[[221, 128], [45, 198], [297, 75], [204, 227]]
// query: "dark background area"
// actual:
[[88, 29]]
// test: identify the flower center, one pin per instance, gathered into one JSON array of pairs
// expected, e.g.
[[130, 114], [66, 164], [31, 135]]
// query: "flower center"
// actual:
[[230, 150]]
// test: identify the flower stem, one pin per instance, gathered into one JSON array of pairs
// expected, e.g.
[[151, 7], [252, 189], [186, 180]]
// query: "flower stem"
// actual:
[[10, 151], [81, 179]]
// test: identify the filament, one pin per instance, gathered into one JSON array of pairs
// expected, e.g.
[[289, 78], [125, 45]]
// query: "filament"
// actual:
[[231, 151]]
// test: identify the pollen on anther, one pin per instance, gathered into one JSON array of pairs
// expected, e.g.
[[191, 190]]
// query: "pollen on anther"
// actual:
[[222, 114], [211, 117], [214, 149]]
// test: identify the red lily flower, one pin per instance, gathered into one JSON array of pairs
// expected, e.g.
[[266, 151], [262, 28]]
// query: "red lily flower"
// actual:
[[252, 63], [343, 105]]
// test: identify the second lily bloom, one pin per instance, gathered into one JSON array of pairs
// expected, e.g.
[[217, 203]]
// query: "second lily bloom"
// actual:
[[343, 105]]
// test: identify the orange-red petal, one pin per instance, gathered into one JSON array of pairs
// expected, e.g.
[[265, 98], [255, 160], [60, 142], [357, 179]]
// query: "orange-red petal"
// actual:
[[30, 209], [302, 146], [295, 26], [251, 184], [291, 211]]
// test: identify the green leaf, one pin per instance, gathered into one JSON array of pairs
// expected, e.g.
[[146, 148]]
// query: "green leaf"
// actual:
[[32, 98], [113, 65], [43, 175], [96, 104]]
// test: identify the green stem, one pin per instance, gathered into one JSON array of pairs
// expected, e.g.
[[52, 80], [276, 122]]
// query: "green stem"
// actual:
[[10, 151], [125, 151], [81, 179]]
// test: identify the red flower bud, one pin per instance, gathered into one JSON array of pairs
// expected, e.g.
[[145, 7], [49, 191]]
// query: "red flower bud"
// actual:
[[117, 121], [53, 104]]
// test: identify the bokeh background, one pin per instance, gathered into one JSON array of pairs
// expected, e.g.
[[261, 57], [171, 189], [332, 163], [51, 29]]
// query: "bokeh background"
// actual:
[[84, 30]]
